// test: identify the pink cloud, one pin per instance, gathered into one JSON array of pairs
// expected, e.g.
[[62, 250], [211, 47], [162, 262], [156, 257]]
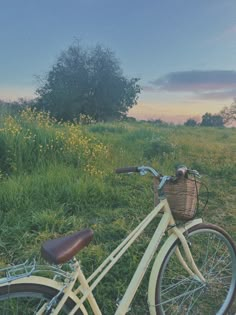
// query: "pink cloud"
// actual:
[[227, 34]]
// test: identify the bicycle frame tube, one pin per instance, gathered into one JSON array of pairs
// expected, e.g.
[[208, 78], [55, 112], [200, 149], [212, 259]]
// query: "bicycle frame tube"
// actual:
[[166, 220], [147, 257], [104, 268]]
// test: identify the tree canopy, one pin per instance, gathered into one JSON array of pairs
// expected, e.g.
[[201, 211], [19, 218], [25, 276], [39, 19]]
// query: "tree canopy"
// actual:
[[229, 113], [210, 120], [88, 82]]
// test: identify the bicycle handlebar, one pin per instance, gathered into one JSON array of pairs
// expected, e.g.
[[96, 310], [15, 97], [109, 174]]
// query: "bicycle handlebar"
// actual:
[[137, 169], [129, 169], [181, 171]]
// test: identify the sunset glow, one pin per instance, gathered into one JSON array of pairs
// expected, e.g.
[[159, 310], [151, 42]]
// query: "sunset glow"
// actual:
[[185, 61], [176, 113]]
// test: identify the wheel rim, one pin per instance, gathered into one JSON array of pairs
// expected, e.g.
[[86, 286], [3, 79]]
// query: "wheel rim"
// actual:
[[179, 293]]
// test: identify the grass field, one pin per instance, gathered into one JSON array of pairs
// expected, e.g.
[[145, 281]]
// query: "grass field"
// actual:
[[57, 178]]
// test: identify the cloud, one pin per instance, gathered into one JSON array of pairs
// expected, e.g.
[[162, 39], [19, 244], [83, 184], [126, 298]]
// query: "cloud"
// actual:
[[217, 95], [227, 35], [230, 31], [207, 84]]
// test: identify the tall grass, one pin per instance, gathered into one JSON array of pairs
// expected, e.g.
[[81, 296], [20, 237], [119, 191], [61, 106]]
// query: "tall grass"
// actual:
[[56, 178], [33, 139]]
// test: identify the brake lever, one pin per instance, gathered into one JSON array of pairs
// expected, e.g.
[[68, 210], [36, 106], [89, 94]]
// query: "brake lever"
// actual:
[[195, 173]]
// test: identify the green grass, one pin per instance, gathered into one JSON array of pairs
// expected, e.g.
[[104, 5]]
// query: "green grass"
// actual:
[[58, 178]]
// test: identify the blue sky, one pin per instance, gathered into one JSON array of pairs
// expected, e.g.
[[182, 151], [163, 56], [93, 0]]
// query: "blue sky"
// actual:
[[183, 51]]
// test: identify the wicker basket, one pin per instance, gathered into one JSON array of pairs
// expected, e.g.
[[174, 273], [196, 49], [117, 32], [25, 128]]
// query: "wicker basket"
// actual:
[[182, 196]]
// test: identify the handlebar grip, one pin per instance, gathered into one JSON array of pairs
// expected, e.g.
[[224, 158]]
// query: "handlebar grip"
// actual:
[[181, 171], [129, 169]]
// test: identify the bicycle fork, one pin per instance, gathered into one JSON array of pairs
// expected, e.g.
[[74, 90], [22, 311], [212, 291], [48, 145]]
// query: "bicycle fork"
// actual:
[[193, 271]]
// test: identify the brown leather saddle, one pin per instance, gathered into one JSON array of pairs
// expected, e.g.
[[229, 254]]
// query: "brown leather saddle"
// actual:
[[62, 249]]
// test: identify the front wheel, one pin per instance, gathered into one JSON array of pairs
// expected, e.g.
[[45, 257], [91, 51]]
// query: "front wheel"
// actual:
[[28, 299], [176, 292]]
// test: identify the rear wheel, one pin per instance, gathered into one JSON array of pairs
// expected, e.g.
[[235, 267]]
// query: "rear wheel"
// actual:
[[214, 253], [28, 298]]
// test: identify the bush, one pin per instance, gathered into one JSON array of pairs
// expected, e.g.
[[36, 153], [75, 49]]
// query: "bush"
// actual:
[[157, 148], [190, 123]]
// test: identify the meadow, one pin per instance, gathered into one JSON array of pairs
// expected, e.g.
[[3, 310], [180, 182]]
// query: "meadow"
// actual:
[[57, 178]]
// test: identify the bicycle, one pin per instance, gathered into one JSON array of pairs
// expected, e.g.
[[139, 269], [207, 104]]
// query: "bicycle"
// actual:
[[194, 271]]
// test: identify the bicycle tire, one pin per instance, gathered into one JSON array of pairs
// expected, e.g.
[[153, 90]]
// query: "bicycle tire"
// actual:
[[214, 253], [25, 298]]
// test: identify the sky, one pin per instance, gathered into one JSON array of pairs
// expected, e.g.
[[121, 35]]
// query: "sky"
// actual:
[[183, 51]]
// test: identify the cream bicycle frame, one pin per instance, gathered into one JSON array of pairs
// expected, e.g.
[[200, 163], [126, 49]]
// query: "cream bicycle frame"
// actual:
[[86, 287]]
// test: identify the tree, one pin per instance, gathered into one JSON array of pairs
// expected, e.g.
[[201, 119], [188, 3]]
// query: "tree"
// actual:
[[190, 122], [210, 120], [229, 113], [88, 82]]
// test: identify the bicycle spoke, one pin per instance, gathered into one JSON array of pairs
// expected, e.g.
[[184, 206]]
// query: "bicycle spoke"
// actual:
[[182, 295], [177, 284], [219, 261], [181, 305]]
